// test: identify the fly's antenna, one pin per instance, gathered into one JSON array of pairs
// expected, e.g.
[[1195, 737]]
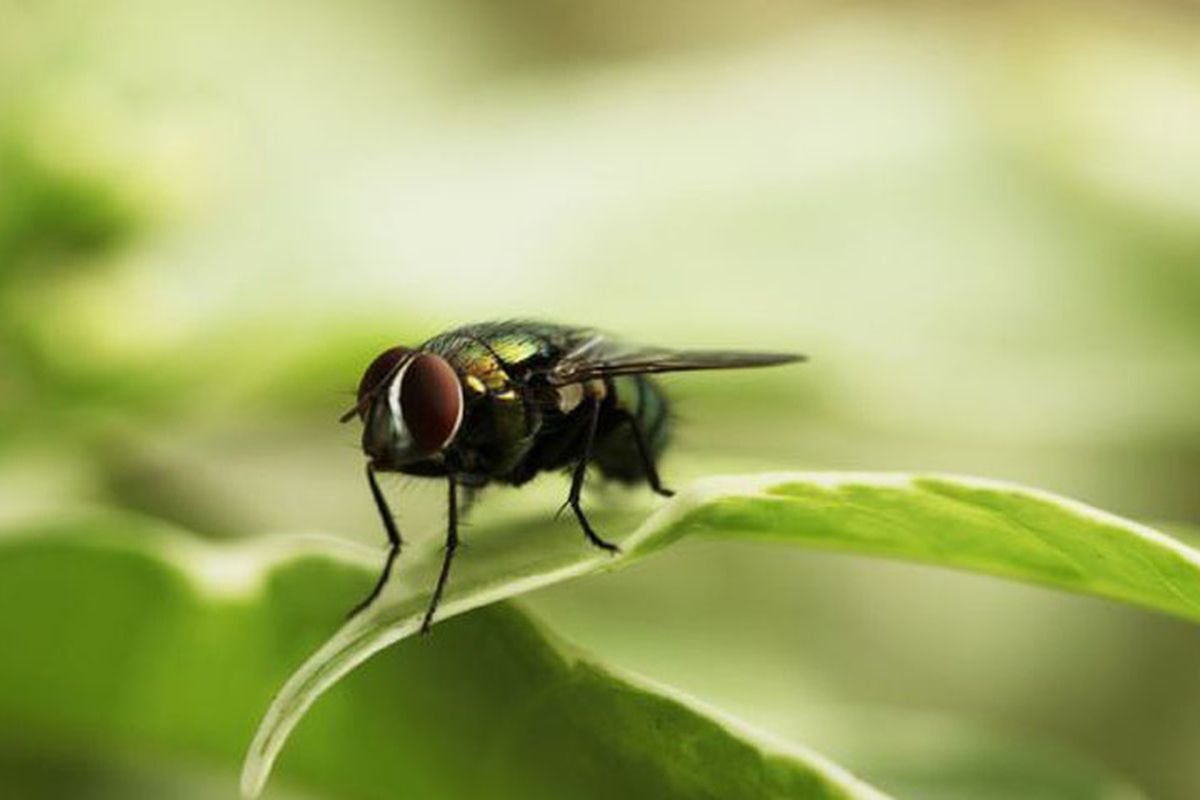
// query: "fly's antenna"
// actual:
[[354, 411]]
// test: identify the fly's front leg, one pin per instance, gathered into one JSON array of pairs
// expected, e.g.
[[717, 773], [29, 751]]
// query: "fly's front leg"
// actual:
[[578, 476], [394, 540], [451, 546]]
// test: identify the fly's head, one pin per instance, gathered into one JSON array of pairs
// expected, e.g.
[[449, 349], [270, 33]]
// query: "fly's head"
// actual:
[[411, 405]]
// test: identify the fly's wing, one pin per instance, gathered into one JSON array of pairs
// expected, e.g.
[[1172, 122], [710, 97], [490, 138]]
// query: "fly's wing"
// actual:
[[600, 357]]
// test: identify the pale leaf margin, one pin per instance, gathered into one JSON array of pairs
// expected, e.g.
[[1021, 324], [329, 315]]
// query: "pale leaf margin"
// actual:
[[969, 523]]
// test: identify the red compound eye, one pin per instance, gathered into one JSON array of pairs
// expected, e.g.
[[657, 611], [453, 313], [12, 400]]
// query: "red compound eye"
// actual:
[[431, 400], [380, 370]]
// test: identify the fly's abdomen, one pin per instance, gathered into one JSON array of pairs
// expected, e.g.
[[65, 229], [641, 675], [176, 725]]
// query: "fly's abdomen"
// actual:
[[616, 452]]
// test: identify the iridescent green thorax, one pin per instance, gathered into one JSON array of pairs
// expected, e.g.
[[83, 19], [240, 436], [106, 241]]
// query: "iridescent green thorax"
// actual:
[[494, 363], [515, 347], [481, 369], [498, 353]]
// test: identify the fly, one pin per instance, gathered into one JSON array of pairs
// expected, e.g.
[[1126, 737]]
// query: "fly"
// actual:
[[501, 402]]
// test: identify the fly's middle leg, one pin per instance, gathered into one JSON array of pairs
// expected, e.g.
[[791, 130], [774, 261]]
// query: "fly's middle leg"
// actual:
[[577, 480]]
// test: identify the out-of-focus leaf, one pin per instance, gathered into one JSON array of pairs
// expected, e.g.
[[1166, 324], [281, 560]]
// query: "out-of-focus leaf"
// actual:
[[52, 215], [972, 524], [123, 636], [917, 755]]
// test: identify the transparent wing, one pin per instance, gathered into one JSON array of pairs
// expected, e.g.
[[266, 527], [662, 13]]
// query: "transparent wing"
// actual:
[[600, 357]]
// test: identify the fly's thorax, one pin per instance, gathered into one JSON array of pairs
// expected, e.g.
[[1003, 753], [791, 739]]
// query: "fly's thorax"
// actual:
[[483, 372], [501, 418], [415, 413], [503, 411]]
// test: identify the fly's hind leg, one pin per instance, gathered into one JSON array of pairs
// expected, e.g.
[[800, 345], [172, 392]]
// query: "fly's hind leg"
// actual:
[[394, 541], [648, 465], [577, 481]]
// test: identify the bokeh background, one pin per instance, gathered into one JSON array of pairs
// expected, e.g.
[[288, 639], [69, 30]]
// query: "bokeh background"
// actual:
[[982, 221]]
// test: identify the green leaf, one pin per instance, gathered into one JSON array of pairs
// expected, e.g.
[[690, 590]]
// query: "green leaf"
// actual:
[[926, 756], [972, 524], [969, 523], [125, 637]]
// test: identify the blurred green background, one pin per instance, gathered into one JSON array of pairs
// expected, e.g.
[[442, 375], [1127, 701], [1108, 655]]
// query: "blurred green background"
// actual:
[[982, 222]]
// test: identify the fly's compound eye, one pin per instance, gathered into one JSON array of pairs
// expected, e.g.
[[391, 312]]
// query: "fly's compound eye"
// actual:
[[381, 369], [431, 402]]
